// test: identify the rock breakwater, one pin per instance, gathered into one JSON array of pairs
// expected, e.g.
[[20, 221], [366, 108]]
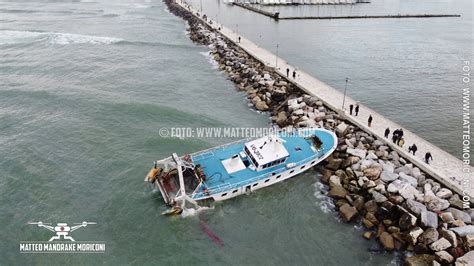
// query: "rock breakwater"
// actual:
[[398, 204]]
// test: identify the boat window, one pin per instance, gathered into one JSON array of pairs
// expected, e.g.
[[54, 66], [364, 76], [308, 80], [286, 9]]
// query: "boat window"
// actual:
[[267, 180], [273, 173], [223, 195], [254, 184], [313, 162], [235, 191], [302, 167], [292, 171], [278, 176]]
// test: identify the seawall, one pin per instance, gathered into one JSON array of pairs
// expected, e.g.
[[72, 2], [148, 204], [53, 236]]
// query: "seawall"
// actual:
[[372, 180]]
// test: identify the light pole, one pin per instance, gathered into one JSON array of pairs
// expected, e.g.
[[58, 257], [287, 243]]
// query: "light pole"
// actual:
[[201, 6], [276, 58], [344, 99], [236, 32]]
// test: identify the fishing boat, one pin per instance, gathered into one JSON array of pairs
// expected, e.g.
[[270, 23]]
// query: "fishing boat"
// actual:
[[240, 167]]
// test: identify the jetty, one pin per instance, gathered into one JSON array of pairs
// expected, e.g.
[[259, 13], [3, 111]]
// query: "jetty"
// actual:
[[276, 15], [378, 16], [257, 10], [444, 168]]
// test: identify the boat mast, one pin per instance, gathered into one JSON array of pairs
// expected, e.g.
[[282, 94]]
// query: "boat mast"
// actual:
[[182, 197]]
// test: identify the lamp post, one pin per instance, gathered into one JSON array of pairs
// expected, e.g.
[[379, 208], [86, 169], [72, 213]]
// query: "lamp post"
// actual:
[[236, 32], [276, 58], [201, 6], [344, 99]]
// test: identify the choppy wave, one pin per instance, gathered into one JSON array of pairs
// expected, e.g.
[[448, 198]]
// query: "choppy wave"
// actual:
[[12, 37], [211, 60], [323, 201]]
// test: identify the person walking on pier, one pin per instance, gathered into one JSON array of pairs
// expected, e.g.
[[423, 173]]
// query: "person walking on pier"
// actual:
[[413, 148], [370, 120], [239, 39], [400, 135], [428, 157], [287, 72], [395, 136], [401, 141], [387, 132], [351, 107], [357, 109], [294, 74]]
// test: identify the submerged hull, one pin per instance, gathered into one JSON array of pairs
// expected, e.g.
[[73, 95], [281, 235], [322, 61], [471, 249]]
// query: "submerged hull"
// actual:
[[221, 179]]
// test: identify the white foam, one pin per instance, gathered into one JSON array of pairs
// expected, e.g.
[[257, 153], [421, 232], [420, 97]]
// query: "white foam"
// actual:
[[193, 212], [12, 37], [68, 38], [211, 60], [141, 6], [322, 200]]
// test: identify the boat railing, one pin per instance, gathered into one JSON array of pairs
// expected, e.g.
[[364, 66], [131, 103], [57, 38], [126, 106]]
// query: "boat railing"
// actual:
[[210, 152]]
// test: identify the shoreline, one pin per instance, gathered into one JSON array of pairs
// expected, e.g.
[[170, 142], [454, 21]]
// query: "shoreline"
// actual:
[[397, 202]]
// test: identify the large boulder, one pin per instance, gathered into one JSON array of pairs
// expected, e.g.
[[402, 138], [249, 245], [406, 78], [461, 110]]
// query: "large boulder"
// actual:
[[429, 219], [420, 260], [335, 180], [444, 193], [261, 106], [460, 215], [333, 164], [337, 192], [341, 129], [387, 241], [447, 217], [404, 177], [466, 260], [464, 230], [408, 192], [444, 257], [357, 152], [415, 206], [388, 176], [282, 119], [468, 242], [371, 206], [378, 197], [449, 235], [373, 172], [407, 221], [435, 204], [440, 244], [347, 212], [413, 234], [429, 236]]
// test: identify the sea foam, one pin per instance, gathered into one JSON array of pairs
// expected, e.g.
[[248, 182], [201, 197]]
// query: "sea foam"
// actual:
[[12, 37]]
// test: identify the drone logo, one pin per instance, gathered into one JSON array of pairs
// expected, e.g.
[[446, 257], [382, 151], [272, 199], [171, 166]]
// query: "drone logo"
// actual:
[[61, 229]]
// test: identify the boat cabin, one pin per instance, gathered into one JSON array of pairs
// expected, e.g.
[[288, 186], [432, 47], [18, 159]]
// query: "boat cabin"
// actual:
[[258, 155]]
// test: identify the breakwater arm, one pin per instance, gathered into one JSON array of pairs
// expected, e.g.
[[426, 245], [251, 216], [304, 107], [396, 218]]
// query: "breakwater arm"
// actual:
[[443, 169], [276, 15]]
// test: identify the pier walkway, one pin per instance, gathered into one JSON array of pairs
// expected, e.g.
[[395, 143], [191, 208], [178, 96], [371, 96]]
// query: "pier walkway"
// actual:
[[445, 168]]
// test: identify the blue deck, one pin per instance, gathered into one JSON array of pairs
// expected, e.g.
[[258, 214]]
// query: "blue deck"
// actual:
[[218, 180]]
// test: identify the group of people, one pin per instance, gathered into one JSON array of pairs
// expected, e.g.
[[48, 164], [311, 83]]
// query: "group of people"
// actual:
[[397, 135], [397, 138], [351, 108], [288, 73]]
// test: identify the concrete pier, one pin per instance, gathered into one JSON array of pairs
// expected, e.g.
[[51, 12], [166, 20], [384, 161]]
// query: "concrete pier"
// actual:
[[445, 168], [276, 15]]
